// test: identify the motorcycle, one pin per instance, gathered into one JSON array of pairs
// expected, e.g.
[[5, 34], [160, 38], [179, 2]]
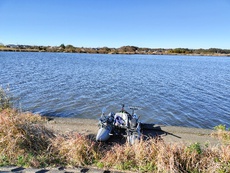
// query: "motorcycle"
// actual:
[[115, 123]]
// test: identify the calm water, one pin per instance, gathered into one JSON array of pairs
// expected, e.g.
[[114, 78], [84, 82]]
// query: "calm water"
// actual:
[[173, 90]]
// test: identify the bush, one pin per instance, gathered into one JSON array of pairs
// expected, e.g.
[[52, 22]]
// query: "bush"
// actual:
[[220, 127], [222, 133]]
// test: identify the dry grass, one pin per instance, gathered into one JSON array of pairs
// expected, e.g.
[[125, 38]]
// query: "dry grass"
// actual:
[[23, 138], [156, 156], [4, 99], [76, 149], [25, 141]]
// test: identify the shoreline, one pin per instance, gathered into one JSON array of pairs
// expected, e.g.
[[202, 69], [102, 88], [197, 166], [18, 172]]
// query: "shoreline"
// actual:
[[116, 53], [169, 134]]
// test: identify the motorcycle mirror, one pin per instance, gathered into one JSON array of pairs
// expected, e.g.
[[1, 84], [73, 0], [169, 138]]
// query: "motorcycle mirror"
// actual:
[[135, 108], [103, 111]]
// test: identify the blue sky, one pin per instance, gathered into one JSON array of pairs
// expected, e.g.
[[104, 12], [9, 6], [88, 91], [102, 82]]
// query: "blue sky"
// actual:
[[116, 23]]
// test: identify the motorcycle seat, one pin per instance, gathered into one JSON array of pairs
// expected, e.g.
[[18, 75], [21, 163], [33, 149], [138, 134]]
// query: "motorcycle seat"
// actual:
[[121, 119]]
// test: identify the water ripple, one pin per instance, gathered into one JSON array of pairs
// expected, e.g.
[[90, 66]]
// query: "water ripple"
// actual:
[[173, 90]]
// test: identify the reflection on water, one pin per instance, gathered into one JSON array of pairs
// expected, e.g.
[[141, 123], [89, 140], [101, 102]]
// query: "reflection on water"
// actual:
[[172, 90]]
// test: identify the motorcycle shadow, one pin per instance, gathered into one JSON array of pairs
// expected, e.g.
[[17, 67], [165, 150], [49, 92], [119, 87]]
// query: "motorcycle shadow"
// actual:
[[152, 131]]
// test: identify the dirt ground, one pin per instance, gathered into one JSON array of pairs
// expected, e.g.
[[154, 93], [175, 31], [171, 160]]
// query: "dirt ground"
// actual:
[[170, 134]]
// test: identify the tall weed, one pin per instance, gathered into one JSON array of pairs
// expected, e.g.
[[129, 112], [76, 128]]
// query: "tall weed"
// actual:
[[4, 99], [76, 149], [157, 156], [22, 135]]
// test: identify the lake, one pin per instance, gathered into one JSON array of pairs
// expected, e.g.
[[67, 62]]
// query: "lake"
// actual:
[[191, 91]]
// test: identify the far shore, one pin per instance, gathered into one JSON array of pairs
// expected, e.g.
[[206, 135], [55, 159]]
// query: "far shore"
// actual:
[[125, 50]]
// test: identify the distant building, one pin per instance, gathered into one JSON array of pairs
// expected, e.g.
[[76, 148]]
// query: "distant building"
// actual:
[[12, 46]]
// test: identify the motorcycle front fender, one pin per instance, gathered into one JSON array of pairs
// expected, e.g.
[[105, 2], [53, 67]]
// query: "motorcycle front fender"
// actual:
[[103, 134]]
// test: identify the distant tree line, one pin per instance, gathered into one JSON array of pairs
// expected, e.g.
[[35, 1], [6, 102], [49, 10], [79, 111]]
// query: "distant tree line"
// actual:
[[122, 50]]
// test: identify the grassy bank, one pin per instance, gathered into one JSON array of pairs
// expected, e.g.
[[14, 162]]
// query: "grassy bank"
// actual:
[[24, 141]]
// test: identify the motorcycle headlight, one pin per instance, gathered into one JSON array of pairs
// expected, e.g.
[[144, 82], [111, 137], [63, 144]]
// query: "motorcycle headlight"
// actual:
[[133, 123]]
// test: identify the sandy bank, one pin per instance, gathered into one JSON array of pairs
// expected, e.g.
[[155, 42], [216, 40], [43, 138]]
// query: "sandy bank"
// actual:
[[169, 134]]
